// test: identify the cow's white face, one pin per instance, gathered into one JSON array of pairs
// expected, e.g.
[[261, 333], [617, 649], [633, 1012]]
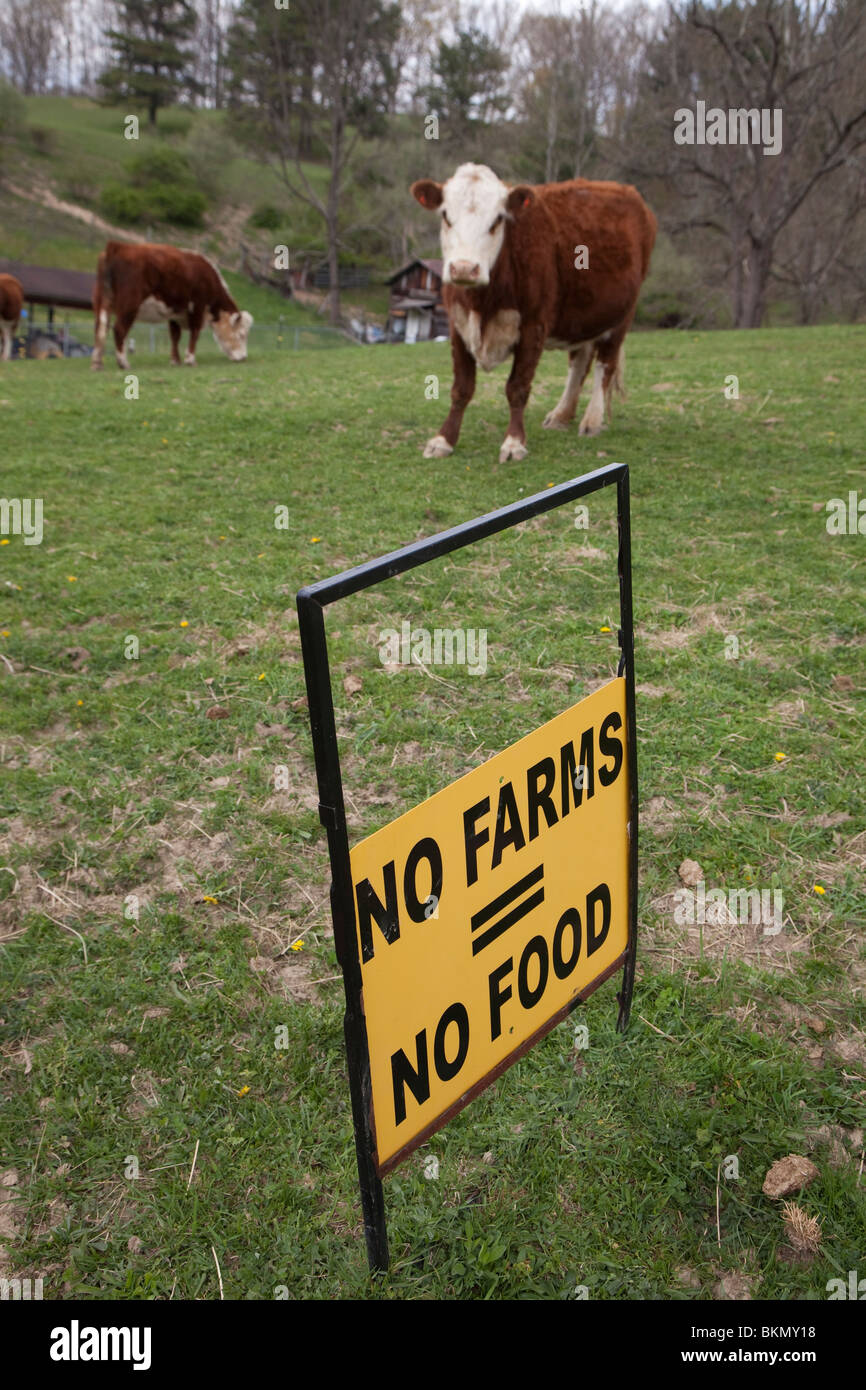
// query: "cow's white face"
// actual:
[[231, 332], [474, 206]]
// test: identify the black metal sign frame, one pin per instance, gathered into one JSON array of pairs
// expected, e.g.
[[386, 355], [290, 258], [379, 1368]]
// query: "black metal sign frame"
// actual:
[[311, 602]]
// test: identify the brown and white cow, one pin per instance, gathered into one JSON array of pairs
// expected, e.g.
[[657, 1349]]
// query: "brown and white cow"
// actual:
[[11, 303], [162, 284], [556, 265]]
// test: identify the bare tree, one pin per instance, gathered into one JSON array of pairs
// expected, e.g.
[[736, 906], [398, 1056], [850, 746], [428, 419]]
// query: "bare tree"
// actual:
[[328, 63], [31, 34], [803, 59]]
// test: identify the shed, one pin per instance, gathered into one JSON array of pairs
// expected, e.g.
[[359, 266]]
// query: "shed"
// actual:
[[53, 288], [416, 311]]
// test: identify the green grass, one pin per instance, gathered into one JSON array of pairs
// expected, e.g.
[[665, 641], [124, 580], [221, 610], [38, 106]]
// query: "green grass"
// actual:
[[593, 1168]]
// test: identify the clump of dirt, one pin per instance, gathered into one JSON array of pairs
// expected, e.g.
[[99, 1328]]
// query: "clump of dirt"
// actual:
[[789, 1175]]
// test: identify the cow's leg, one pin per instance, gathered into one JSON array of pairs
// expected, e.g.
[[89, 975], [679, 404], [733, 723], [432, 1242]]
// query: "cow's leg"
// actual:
[[462, 391], [526, 357], [607, 375], [195, 325], [122, 325], [6, 330], [174, 335], [100, 333], [562, 414]]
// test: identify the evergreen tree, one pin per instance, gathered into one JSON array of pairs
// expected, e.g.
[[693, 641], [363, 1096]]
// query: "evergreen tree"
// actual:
[[153, 61]]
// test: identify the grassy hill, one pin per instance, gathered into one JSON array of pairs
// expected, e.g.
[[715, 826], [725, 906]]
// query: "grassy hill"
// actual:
[[70, 149]]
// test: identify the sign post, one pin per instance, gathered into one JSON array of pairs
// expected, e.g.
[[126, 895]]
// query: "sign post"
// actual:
[[471, 925]]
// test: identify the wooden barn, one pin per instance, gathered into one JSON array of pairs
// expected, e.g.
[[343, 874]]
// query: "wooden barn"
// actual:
[[416, 311]]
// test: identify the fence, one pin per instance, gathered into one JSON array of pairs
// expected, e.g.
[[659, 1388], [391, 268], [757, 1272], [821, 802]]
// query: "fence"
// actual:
[[73, 337]]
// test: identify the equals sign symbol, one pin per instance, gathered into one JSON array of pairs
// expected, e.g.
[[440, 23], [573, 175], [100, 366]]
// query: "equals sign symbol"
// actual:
[[511, 895]]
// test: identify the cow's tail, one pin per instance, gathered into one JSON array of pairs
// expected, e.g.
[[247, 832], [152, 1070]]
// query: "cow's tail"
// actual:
[[619, 372]]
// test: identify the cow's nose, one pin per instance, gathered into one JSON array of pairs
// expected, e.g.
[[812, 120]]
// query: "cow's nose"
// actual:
[[464, 272]]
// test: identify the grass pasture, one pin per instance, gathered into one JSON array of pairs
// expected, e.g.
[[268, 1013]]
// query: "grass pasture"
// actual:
[[130, 1046]]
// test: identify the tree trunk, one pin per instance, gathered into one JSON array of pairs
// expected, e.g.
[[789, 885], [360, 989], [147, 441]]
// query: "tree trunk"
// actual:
[[333, 214], [752, 281]]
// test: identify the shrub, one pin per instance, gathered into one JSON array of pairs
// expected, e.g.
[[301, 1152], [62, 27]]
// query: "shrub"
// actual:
[[122, 203], [163, 164], [266, 216], [168, 202], [209, 151], [42, 139]]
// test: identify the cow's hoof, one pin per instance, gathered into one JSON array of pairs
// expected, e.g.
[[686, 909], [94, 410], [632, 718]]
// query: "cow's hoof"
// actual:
[[552, 421], [188, 361], [590, 427], [438, 447], [174, 361], [96, 366], [512, 449]]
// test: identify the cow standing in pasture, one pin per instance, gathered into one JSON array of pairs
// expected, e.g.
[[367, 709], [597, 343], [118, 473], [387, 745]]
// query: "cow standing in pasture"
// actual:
[[556, 265], [161, 284], [11, 303]]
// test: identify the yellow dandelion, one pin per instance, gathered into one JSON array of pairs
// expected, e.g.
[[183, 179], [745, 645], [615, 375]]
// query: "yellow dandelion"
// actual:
[[819, 890], [165, 441], [207, 899], [184, 623], [605, 629], [72, 579], [314, 540], [262, 676], [5, 541], [5, 632], [79, 702], [222, 538], [780, 757], [244, 1091], [297, 945], [261, 555]]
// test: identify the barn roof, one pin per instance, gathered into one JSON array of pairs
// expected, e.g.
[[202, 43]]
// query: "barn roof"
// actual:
[[67, 289], [435, 266]]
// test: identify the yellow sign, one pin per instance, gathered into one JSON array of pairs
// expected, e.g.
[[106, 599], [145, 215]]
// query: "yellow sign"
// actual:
[[483, 914]]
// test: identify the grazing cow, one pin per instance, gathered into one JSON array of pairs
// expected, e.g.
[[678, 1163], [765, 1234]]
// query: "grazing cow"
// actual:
[[161, 284], [11, 302], [556, 265]]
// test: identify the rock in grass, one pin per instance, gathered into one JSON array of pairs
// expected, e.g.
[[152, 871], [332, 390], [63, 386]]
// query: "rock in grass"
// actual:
[[690, 873], [789, 1175]]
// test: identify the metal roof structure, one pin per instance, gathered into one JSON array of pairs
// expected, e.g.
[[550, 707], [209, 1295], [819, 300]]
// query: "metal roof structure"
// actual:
[[435, 266], [63, 289]]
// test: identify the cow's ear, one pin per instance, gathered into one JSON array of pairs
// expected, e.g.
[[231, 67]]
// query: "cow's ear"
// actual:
[[519, 199], [428, 192]]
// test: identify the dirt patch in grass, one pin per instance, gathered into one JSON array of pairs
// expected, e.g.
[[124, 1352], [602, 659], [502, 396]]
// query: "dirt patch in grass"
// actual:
[[292, 975], [719, 937], [701, 619]]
